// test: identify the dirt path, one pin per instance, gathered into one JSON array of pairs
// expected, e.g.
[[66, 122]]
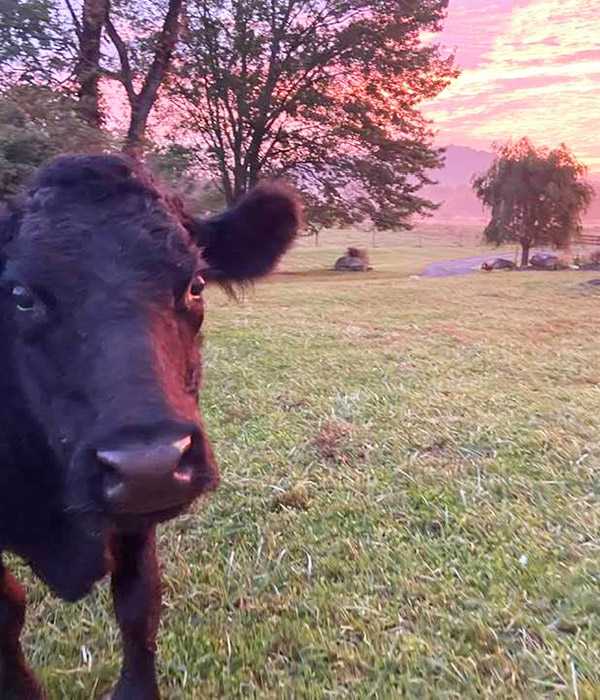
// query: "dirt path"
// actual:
[[450, 268], [466, 266]]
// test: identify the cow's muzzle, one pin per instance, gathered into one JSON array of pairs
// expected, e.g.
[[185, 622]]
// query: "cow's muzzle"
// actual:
[[151, 477]]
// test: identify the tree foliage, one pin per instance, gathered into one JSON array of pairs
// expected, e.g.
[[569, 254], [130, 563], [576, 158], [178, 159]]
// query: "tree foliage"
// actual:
[[37, 123], [325, 92], [35, 45], [536, 196], [176, 165], [76, 44], [144, 56]]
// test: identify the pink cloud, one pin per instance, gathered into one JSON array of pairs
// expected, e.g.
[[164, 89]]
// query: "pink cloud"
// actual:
[[529, 68]]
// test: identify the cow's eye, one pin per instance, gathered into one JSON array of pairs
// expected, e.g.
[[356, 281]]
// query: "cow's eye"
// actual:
[[196, 287], [24, 299]]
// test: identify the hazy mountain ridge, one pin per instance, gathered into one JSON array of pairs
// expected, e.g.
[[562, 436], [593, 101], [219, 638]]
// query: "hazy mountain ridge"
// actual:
[[454, 189]]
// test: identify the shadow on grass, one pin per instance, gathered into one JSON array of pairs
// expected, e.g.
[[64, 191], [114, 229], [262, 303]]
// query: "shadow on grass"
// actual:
[[325, 274]]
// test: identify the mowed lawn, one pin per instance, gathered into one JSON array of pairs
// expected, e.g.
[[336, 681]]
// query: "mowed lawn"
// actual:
[[409, 503]]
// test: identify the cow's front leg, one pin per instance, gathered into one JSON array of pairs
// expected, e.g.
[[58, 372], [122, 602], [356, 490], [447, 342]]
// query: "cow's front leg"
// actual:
[[17, 681], [137, 600]]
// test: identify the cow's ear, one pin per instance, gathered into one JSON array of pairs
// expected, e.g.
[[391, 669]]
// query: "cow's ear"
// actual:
[[246, 241]]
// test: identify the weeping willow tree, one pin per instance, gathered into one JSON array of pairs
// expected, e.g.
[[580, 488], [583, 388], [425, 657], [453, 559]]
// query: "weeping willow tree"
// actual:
[[536, 197]]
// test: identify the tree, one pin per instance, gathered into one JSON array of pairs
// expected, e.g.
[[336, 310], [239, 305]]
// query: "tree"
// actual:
[[325, 92], [37, 123], [87, 68], [321, 211], [143, 59], [536, 196], [177, 166], [77, 43], [22, 148], [35, 47]]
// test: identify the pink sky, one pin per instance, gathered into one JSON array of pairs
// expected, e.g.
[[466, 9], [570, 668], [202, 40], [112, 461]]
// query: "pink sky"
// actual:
[[530, 68]]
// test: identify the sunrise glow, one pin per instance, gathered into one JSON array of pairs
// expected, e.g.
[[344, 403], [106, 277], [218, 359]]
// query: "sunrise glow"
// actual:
[[530, 68]]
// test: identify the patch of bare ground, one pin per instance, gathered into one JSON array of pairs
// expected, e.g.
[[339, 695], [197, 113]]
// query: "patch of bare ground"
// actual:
[[334, 441]]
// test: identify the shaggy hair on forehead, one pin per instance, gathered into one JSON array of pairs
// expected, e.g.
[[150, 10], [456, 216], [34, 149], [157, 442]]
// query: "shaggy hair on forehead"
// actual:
[[98, 216], [238, 246], [96, 180], [102, 176], [81, 181]]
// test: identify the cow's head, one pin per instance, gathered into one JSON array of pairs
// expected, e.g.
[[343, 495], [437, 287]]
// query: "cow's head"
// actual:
[[102, 282]]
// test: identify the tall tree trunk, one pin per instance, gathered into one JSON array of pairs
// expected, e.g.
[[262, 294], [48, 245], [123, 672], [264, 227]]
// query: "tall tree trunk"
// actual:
[[227, 186], [142, 103], [95, 13], [239, 182], [525, 246], [134, 142]]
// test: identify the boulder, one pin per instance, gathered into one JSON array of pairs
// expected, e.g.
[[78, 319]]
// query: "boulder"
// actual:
[[499, 264], [355, 260], [349, 262], [542, 261]]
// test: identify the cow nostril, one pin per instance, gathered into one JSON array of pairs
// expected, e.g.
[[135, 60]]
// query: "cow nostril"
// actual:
[[113, 483], [183, 445], [184, 473]]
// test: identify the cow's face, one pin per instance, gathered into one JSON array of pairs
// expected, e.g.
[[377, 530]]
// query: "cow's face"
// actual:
[[103, 292]]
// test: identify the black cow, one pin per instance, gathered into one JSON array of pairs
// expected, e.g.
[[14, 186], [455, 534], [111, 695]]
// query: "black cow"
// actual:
[[100, 308]]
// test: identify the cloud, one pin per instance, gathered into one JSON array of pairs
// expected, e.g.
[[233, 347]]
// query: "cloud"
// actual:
[[530, 69], [467, 31]]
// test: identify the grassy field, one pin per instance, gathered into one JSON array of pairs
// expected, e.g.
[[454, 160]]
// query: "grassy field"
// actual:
[[410, 497]]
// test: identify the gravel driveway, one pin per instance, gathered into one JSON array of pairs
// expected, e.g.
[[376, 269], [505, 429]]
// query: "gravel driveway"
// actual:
[[451, 268], [466, 266]]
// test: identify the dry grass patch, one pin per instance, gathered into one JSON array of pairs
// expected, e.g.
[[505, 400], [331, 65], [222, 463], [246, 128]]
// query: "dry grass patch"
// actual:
[[295, 498], [335, 441]]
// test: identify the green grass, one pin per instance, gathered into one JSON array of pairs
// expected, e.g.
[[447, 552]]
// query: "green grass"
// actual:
[[409, 505]]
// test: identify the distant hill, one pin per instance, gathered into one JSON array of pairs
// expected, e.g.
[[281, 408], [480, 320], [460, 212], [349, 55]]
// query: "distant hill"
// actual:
[[454, 188], [454, 183], [461, 163]]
